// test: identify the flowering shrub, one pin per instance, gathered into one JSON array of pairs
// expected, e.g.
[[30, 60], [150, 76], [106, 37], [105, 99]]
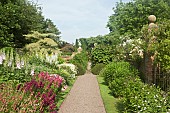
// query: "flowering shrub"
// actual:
[[37, 95], [70, 68], [147, 99], [137, 96], [13, 65]]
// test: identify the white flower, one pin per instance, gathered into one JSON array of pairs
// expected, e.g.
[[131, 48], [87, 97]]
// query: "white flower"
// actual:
[[22, 63], [3, 56], [64, 88], [9, 63], [18, 65], [1, 60], [144, 108], [71, 66], [32, 72]]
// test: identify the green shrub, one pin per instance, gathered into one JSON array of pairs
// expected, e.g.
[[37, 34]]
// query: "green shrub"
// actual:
[[60, 60], [81, 61], [121, 87], [137, 96], [80, 69], [97, 68], [147, 99], [116, 70], [102, 54]]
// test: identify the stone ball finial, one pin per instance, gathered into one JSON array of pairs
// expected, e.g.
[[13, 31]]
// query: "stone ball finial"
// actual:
[[152, 25], [152, 18]]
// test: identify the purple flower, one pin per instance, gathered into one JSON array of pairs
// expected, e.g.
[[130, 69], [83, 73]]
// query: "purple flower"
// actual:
[[41, 84], [50, 93], [38, 94]]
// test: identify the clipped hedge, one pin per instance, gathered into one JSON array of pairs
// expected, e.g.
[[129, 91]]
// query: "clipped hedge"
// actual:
[[97, 68]]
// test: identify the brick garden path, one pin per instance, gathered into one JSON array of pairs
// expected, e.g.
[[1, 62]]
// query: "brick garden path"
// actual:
[[84, 96]]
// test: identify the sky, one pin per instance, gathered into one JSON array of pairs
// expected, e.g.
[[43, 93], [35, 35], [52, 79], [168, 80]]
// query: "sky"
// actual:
[[78, 18]]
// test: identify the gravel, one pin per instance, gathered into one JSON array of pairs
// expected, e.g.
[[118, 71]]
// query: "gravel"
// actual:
[[84, 96]]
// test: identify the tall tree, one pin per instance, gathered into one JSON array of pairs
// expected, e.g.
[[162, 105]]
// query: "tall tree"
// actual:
[[17, 18], [49, 27], [129, 18]]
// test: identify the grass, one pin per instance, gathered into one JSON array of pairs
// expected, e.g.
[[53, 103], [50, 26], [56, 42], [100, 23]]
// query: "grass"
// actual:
[[112, 105]]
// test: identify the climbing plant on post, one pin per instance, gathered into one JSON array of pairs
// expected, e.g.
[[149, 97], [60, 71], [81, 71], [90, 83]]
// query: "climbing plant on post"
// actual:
[[150, 53]]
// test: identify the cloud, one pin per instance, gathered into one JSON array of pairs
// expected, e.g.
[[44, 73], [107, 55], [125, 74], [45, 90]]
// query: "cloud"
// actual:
[[78, 18]]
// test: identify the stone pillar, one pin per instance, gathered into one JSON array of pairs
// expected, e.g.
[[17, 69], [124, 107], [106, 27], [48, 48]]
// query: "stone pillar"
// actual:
[[149, 56]]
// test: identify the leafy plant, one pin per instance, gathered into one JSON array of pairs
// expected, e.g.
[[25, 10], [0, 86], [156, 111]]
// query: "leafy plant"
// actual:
[[80, 60], [102, 54], [97, 68], [37, 95], [117, 70], [146, 99]]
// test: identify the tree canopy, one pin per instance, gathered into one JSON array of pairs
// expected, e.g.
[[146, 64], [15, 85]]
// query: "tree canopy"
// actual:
[[20, 17], [129, 18]]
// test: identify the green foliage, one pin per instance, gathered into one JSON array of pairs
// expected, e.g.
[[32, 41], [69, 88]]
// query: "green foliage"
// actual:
[[66, 75], [163, 45], [76, 44], [49, 27], [129, 18], [36, 95], [97, 68], [89, 43], [102, 54], [17, 74], [122, 86], [16, 19], [145, 99], [81, 70], [108, 99], [80, 60], [39, 41], [60, 60], [116, 70], [12, 66], [83, 42], [137, 96]]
